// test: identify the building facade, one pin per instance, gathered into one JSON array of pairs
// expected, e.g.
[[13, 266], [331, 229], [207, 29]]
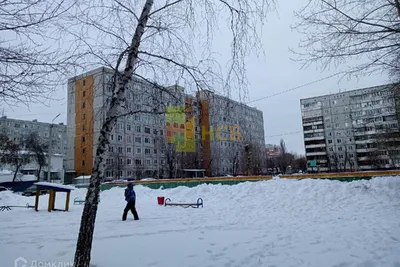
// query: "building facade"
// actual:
[[149, 140], [349, 131], [18, 130], [232, 135]]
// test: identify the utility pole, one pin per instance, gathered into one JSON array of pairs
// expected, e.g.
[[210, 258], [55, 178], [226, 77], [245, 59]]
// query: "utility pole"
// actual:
[[50, 148]]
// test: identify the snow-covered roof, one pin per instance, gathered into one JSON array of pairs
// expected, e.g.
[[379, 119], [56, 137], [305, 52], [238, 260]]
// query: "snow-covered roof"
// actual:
[[7, 176], [83, 177], [55, 186]]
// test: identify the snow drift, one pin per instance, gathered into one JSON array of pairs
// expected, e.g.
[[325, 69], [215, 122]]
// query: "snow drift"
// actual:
[[269, 223]]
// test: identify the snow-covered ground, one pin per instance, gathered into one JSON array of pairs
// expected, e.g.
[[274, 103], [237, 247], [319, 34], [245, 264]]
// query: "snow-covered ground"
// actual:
[[314, 223]]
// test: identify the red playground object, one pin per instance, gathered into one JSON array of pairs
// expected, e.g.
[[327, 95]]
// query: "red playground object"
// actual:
[[160, 201]]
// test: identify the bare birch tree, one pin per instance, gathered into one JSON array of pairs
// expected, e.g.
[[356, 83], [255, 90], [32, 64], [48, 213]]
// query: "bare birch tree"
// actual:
[[339, 31], [162, 44], [33, 59]]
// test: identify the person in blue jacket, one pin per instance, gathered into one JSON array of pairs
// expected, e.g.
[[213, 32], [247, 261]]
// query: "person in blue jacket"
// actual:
[[130, 197]]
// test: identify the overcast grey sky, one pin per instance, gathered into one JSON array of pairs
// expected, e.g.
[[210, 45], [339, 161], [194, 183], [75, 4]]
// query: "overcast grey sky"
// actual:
[[270, 75]]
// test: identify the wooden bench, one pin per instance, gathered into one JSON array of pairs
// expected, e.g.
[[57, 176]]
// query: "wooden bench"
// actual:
[[78, 201], [198, 204], [3, 208]]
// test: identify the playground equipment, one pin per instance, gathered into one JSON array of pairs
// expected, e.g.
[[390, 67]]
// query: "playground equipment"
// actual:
[[53, 188], [78, 201], [8, 207], [185, 205]]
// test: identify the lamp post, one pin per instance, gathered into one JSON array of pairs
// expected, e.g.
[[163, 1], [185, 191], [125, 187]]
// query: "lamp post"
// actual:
[[50, 152]]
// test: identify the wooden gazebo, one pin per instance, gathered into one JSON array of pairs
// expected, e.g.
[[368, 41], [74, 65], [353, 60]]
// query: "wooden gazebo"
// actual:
[[53, 189]]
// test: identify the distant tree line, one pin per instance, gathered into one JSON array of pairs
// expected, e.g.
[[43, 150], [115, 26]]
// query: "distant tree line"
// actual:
[[286, 162], [18, 152]]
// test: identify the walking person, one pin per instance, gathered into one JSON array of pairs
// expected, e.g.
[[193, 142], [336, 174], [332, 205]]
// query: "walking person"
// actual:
[[130, 197]]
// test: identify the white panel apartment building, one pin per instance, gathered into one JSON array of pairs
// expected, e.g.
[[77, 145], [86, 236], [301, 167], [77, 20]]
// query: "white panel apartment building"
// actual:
[[16, 130], [136, 141], [343, 131], [137, 145], [228, 154]]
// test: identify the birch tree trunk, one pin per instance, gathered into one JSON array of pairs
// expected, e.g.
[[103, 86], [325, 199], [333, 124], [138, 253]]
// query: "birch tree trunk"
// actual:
[[84, 243]]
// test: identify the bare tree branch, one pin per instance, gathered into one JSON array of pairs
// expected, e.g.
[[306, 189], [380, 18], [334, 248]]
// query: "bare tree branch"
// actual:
[[340, 31]]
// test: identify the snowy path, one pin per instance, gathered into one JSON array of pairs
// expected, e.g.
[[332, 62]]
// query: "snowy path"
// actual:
[[312, 223]]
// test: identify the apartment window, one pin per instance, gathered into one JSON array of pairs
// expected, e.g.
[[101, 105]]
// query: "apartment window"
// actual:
[[340, 156], [112, 137], [138, 140], [137, 128], [147, 130], [147, 140], [340, 148], [155, 161], [83, 139], [83, 151], [329, 141], [128, 127], [129, 173], [121, 173], [148, 161], [108, 161], [83, 116], [120, 149], [147, 151], [138, 161], [155, 151], [120, 161], [83, 82], [129, 150], [111, 149], [83, 163], [129, 161], [138, 151], [331, 149], [351, 155], [83, 104], [339, 140], [119, 137], [83, 127], [161, 132], [84, 93]]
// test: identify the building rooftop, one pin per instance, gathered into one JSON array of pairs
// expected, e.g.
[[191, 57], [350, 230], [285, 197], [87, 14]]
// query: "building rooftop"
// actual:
[[353, 91]]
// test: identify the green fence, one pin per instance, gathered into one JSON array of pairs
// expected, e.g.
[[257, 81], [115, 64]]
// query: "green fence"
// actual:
[[168, 185], [173, 184]]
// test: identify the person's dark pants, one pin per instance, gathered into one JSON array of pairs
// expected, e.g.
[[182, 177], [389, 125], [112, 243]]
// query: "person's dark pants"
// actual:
[[130, 206]]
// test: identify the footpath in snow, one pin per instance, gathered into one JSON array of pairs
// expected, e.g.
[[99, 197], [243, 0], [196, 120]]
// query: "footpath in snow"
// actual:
[[281, 223]]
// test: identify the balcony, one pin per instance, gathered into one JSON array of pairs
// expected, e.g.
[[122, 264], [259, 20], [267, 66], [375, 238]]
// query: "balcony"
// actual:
[[314, 138], [319, 153], [313, 123], [316, 145], [363, 150], [365, 141], [314, 131]]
